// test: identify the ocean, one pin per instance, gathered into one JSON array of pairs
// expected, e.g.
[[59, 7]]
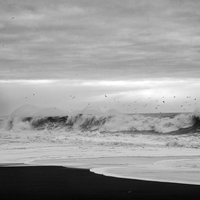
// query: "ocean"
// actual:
[[30, 124]]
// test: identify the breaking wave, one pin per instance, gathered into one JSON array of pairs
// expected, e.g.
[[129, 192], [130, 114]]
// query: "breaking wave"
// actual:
[[33, 118]]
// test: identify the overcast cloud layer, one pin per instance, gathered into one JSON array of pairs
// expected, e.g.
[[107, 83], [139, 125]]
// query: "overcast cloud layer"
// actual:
[[133, 55], [99, 39]]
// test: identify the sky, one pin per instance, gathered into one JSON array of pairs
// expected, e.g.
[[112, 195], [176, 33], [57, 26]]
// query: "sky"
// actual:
[[132, 55]]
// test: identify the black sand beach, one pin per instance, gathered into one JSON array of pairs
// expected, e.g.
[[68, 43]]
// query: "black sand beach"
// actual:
[[50, 182]]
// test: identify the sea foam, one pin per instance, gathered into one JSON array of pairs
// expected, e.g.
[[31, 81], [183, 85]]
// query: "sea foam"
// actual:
[[36, 118]]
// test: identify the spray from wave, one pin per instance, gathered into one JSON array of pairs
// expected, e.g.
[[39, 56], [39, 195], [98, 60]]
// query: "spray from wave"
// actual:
[[51, 126], [30, 117]]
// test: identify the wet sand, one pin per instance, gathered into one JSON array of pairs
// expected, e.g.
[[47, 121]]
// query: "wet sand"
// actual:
[[54, 182], [173, 169]]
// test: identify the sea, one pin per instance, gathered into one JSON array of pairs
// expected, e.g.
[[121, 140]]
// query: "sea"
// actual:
[[30, 124]]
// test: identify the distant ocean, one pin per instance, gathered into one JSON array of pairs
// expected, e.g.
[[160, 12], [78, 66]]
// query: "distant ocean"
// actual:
[[31, 124]]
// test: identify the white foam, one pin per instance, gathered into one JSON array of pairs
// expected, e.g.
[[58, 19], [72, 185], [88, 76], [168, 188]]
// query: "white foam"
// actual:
[[111, 121], [176, 170]]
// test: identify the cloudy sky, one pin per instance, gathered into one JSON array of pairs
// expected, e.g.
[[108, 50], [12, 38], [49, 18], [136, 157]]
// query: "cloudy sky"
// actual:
[[133, 55]]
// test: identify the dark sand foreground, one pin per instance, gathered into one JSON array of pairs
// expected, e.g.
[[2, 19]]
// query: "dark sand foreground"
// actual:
[[50, 182]]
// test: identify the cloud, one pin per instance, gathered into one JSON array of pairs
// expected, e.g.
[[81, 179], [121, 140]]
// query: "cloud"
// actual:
[[147, 88], [27, 82], [97, 39]]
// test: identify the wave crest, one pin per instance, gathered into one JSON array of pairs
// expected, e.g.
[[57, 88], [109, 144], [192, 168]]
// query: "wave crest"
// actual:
[[181, 123]]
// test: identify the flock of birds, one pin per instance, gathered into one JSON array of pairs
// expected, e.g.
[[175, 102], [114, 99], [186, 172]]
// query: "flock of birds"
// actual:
[[135, 105]]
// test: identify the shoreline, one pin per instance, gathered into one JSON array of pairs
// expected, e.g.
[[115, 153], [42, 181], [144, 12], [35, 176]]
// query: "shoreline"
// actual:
[[171, 169], [132, 163], [56, 182]]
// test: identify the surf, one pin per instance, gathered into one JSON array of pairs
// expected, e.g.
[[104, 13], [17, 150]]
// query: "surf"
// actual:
[[35, 118]]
